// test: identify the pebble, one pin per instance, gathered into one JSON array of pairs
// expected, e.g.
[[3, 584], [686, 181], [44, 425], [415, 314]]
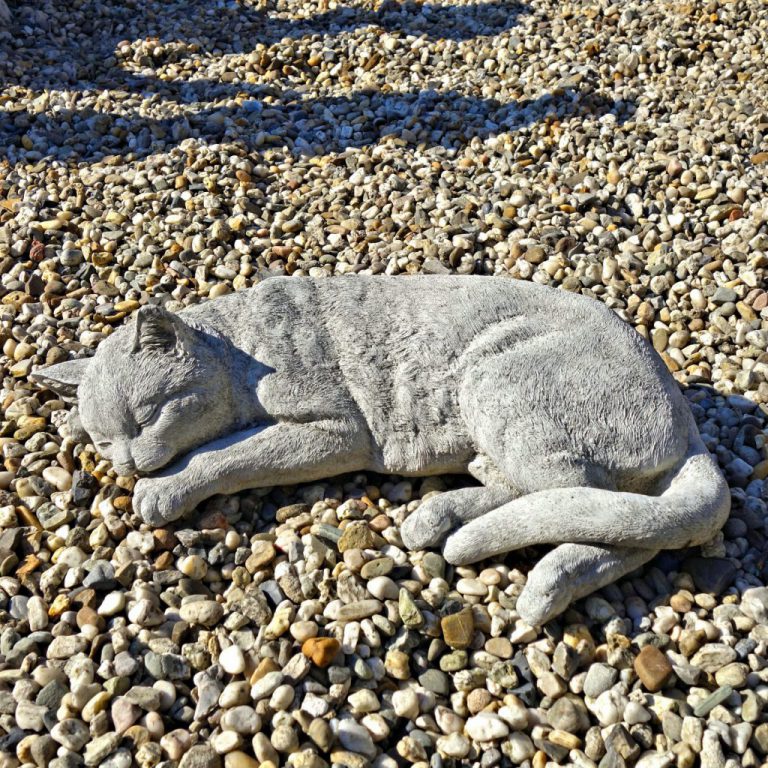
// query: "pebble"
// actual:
[[458, 628], [356, 738], [204, 612], [232, 660], [321, 650], [713, 656], [653, 668], [600, 677], [405, 702], [486, 727], [705, 706]]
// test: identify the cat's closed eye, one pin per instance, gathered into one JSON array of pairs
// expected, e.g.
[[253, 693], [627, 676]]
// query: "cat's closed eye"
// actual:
[[146, 414], [103, 445]]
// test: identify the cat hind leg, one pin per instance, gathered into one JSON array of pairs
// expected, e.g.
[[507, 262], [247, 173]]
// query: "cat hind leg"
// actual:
[[571, 571]]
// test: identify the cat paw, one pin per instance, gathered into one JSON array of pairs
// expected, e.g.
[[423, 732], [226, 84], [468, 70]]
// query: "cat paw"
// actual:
[[426, 527], [158, 501]]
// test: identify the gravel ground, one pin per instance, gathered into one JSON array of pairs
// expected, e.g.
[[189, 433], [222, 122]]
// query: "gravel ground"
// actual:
[[172, 151]]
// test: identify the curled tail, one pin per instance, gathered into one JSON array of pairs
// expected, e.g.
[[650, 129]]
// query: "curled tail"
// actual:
[[693, 504]]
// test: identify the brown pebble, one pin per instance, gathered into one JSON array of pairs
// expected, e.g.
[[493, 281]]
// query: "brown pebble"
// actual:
[[164, 561], [321, 650], [478, 700], [653, 668], [265, 667], [681, 602], [458, 628], [357, 536], [89, 617], [164, 538]]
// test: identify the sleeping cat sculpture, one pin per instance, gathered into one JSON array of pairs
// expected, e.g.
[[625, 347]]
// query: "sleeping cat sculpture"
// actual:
[[569, 419]]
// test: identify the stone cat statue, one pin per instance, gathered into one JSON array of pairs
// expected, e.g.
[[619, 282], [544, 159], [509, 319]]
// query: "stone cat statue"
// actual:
[[569, 419]]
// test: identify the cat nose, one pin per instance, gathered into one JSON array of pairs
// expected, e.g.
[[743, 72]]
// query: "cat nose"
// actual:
[[124, 467]]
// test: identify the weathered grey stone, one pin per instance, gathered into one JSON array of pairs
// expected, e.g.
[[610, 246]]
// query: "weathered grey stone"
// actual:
[[442, 383]]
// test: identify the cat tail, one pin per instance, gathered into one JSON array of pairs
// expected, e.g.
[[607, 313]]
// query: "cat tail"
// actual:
[[692, 506]]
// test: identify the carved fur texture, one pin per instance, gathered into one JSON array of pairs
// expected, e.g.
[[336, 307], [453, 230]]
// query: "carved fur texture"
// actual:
[[569, 419]]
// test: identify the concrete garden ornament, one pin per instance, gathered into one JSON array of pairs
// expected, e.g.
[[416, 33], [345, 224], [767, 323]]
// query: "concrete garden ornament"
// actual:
[[571, 422]]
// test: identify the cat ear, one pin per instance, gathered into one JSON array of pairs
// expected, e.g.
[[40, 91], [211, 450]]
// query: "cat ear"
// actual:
[[63, 378], [159, 330]]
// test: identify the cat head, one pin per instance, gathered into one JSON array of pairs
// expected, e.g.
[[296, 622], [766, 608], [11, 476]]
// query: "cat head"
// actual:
[[154, 390]]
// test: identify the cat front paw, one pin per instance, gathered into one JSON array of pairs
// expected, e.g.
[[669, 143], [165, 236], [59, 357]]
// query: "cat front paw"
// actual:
[[159, 500]]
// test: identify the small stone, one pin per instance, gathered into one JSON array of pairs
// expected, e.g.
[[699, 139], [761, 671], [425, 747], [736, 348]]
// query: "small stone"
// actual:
[[320, 732], [405, 702], [262, 553], [238, 759], [499, 646], [458, 628], [100, 748], [383, 588], [356, 738], [207, 613], [267, 685], [734, 674], [703, 708], [357, 536], [486, 727], [397, 665], [232, 660], [653, 668], [436, 681], [321, 650], [194, 567], [519, 748], [713, 656], [72, 734], [760, 738], [200, 756], [409, 613], [66, 646], [358, 610], [112, 604], [364, 701], [600, 677], [381, 566], [570, 714]]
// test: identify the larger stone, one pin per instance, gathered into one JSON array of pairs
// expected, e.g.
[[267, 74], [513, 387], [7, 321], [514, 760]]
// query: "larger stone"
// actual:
[[653, 668], [569, 714], [458, 628], [710, 574], [321, 650], [713, 656], [200, 756], [204, 612], [486, 727], [357, 536]]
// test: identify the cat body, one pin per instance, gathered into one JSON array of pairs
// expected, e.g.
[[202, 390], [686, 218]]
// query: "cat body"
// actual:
[[571, 421]]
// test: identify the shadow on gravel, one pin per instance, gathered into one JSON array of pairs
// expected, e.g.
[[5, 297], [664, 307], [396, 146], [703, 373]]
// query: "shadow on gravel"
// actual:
[[83, 61], [305, 126], [199, 27]]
